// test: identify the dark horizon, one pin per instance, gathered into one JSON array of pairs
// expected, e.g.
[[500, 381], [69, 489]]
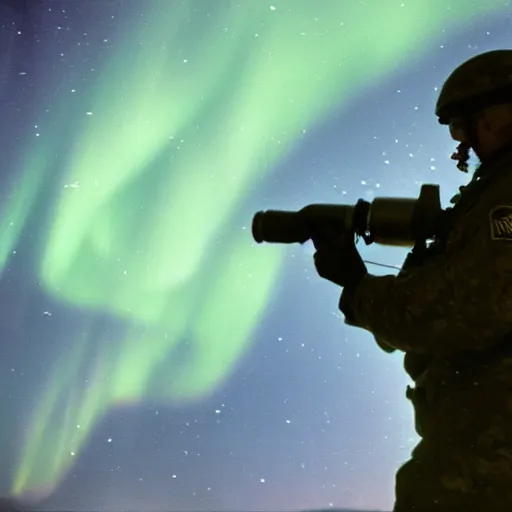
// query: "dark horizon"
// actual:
[[7, 505]]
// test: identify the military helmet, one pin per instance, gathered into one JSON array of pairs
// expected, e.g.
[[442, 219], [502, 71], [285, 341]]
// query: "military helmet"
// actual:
[[480, 82]]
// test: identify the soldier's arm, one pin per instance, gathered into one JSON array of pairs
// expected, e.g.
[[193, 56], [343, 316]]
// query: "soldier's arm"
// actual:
[[461, 300]]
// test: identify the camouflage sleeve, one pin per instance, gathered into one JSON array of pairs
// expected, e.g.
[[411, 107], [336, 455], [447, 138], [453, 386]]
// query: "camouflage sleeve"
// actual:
[[460, 300]]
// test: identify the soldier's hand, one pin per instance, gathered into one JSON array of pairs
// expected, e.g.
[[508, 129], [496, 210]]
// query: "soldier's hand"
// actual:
[[338, 260]]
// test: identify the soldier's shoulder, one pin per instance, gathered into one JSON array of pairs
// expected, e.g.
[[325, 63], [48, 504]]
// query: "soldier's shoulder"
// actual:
[[497, 198], [500, 176]]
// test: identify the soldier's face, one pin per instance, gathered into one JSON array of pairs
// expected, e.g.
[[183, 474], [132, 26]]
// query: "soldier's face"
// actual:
[[457, 131], [478, 143]]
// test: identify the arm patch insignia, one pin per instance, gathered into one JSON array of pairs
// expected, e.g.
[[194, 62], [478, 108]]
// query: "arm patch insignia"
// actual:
[[501, 223]]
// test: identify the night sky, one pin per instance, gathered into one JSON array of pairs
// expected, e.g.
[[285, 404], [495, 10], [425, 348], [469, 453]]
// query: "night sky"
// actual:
[[152, 356]]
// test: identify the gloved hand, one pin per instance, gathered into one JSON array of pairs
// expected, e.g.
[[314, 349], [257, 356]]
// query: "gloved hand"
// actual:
[[338, 260]]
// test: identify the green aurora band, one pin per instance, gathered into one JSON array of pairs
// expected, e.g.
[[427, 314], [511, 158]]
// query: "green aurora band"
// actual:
[[180, 130]]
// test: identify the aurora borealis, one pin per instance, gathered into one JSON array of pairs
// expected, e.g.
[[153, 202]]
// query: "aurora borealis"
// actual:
[[153, 133]]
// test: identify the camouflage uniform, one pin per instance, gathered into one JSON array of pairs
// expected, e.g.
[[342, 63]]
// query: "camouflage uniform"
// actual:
[[452, 316]]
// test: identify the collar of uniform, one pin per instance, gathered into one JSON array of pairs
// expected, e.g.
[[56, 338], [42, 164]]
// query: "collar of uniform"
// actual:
[[494, 162]]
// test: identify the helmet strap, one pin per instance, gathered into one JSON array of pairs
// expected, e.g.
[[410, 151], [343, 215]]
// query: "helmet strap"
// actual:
[[462, 153]]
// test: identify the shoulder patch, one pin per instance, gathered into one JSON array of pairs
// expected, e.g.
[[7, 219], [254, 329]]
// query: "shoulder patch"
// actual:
[[501, 223]]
